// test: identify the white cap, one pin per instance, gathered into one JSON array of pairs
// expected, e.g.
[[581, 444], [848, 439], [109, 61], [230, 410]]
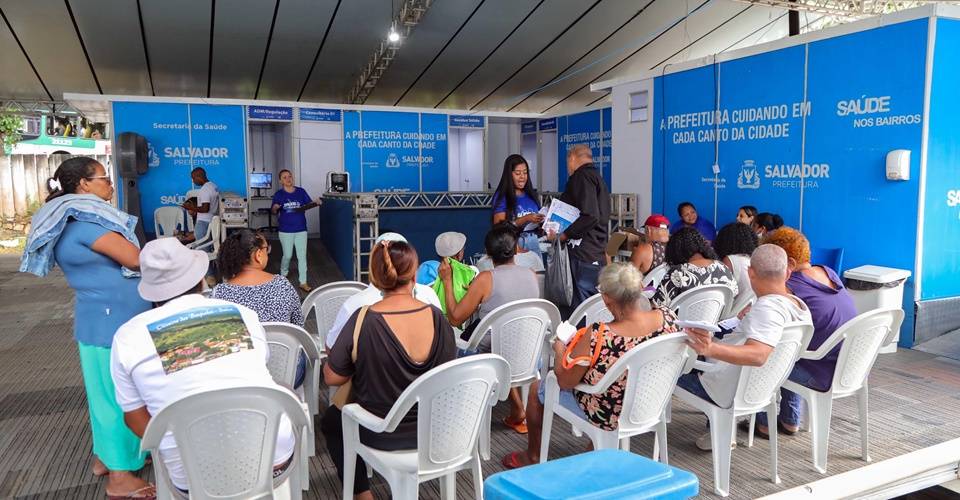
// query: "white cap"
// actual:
[[168, 269], [450, 243], [390, 237]]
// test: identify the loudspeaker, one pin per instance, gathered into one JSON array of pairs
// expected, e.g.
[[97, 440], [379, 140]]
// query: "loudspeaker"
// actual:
[[132, 155]]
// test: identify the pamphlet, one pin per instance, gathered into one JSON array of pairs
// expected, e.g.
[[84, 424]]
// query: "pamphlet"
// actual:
[[562, 213], [703, 325], [729, 323]]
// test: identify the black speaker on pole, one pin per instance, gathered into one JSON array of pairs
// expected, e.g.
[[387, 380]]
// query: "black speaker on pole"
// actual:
[[132, 157]]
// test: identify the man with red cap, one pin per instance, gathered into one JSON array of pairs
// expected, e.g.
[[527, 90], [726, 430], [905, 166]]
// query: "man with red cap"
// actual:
[[650, 252]]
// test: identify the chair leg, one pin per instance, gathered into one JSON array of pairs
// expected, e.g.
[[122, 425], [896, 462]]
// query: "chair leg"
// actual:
[[721, 432], [625, 444], [864, 422], [821, 405], [669, 411], [484, 442], [349, 469], [549, 402], [306, 451], [403, 486], [772, 432], [660, 443], [753, 425], [448, 486], [524, 393], [477, 477]]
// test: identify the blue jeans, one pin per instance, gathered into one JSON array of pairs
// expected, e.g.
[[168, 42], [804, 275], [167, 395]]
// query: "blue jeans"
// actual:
[[791, 404], [690, 382], [200, 229], [585, 276]]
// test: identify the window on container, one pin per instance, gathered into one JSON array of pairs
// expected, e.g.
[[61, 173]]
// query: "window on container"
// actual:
[[638, 106]]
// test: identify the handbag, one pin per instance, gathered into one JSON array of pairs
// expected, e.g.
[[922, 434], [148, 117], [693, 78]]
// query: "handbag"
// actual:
[[558, 282], [344, 394]]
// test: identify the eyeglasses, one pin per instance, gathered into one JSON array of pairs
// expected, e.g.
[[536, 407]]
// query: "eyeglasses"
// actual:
[[104, 177]]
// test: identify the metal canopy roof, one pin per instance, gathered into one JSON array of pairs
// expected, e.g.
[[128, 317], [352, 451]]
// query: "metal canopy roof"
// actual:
[[530, 56]]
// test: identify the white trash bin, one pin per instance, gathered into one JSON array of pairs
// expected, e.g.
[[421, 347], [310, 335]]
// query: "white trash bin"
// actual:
[[873, 287]]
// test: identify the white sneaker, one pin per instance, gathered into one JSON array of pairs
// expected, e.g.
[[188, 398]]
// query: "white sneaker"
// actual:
[[704, 443]]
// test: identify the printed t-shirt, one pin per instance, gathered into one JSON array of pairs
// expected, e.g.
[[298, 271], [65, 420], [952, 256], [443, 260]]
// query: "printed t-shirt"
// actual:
[[289, 220], [525, 205]]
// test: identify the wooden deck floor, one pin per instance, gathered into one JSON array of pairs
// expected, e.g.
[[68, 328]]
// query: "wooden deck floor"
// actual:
[[45, 439]]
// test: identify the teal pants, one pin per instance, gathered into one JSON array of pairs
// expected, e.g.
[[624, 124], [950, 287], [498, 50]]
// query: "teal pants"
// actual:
[[113, 442], [291, 242]]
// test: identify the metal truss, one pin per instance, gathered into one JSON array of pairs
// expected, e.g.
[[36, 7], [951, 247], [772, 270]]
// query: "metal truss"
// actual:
[[408, 201], [36, 107], [845, 10]]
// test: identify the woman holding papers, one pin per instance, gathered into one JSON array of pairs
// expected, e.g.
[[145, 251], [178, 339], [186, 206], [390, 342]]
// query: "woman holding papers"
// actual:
[[516, 201]]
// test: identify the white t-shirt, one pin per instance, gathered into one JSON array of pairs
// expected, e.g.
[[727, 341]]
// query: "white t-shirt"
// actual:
[[764, 323], [369, 297], [209, 193], [740, 264], [225, 347]]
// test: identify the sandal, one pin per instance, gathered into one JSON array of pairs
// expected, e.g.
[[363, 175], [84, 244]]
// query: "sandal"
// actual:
[[148, 492], [512, 461], [519, 427]]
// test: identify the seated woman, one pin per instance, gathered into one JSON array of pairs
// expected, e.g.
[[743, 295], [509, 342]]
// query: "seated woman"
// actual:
[[734, 245], [506, 282], [620, 287], [241, 261], [692, 263], [830, 307], [651, 250], [766, 222], [398, 339]]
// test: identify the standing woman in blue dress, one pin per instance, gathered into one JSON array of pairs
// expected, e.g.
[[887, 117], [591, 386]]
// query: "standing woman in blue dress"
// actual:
[[97, 248], [516, 201], [290, 203]]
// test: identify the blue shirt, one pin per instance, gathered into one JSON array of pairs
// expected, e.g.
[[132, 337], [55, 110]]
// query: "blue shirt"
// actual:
[[104, 298], [525, 205], [288, 219], [702, 225]]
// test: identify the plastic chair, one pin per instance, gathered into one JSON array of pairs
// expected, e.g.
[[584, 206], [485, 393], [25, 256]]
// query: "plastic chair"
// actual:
[[452, 401], [740, 302], [210, 243], [285, 341], [593, 310], [757, 388], [652, 369], [518, 331], [862, 338], [703, 303], [167, 219], [226, 439], [830, 257], [655, 275], [325, 301]]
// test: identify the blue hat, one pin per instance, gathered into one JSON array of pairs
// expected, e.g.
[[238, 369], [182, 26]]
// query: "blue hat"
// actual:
[[427, 272]]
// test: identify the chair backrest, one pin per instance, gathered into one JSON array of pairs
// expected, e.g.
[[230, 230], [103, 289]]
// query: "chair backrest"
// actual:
[[226, 439], [517, 332], [742, 300], [451, 402], [217, 234], [655, 275], [167, 219], [703, 303], [285, 340], [830, 257], [757, 383], [653, 368], [593, 309], [326, 300], [863, 336]]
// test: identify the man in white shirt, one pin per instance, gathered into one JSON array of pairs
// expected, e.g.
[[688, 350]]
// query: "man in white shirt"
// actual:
[[372, 295], [208, 202], [754, 339], [189, 344]]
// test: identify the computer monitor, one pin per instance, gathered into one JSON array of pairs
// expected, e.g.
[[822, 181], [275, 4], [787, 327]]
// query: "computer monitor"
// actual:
[[261, 180]]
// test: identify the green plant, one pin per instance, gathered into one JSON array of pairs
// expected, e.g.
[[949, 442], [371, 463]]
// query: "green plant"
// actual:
[[9, 131]]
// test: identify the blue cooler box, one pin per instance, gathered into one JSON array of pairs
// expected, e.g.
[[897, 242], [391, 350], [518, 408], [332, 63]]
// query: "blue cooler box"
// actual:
[[594, 475]]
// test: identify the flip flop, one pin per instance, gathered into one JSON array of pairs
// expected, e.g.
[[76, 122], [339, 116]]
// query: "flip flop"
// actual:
[[518, 427], [140, 494], [510, 461]]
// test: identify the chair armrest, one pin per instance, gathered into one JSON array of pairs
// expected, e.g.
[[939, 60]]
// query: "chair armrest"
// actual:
[[363, 417], [705, 366], [826, 347]]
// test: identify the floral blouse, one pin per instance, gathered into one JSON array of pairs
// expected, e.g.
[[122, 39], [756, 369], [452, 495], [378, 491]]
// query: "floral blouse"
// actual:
[[686, 276], [603, 410]]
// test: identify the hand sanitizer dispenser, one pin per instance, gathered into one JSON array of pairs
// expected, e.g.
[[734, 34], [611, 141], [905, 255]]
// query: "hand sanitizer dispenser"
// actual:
[[898, 165]]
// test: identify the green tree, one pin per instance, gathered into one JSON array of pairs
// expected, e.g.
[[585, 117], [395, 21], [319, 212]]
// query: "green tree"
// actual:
[[9, 131]]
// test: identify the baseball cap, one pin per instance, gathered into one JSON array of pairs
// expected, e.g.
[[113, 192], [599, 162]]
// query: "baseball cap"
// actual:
[[168, 269], [657, 220], [450, 243]]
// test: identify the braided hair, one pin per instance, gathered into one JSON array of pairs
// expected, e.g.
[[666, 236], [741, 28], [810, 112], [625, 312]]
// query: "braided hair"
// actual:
[[393, 264], [684, 244], [237, 251], [66, 179]]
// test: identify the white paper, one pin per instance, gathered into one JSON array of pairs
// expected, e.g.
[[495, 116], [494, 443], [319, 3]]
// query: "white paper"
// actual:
[[729, 323], [533, 225], [565, 332], [562, 213], [703, 325]]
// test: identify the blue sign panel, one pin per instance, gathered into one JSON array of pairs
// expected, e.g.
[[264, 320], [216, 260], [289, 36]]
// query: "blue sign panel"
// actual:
[[467, 121], [319, 115], [270, 113], [528, 127], [941, 217], [584, 128], [434, 152], [548, 124], [181, 137]]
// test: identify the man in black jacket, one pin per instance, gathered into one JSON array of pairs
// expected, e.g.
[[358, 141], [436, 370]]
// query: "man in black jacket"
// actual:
[[586, 191]]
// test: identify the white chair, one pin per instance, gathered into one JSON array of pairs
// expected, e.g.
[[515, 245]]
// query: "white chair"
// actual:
[[226, 439], [652, 370], [703, 303], [325, 301], [452, 401], [740, 302], [655, 275], [756, 388], [862, 338], [518, 332], [285, 341], [167, 219], [210, 243], [593, 310]]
